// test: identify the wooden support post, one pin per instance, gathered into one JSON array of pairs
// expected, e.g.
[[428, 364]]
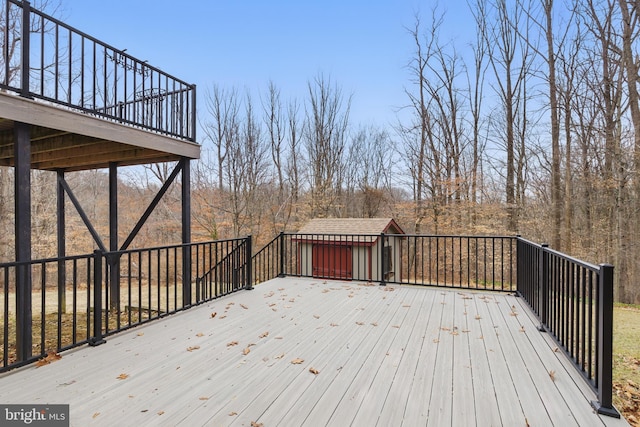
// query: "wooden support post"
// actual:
[[22, 146], [186, 231]]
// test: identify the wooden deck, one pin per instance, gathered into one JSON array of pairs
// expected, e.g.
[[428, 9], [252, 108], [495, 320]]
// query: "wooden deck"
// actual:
[[385, 356]]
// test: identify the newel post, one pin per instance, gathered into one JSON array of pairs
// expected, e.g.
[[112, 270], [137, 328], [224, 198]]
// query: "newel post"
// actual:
[[604, 405], [543, 286], [382, 260], [248, 264], [282, 254], [97, 338]]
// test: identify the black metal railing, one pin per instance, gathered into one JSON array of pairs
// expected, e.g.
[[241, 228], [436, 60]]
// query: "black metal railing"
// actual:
[[75, 301], [574, 302], [471, 262], [43, 58]]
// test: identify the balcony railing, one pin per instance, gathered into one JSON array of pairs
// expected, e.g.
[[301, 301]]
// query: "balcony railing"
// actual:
[[46, 59]]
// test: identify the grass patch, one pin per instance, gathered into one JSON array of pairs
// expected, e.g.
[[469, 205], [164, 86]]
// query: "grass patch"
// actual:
[[626, 362]]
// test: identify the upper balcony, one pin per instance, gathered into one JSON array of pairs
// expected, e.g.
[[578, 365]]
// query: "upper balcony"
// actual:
[[89, 104]]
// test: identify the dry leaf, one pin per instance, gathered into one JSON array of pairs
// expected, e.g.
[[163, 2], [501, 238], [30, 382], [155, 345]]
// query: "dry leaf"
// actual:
[[232, 343], [52, 356], [436, 340], [246, 351], [374, 324], [222, 317], [513, 313], [297, 361], [279, 356], [122, 376], [396, 326], [199, 334], [552, 375], [521, 328], [204, 398], [233, 414], [214, 314], [140, 334], [95, 415], [314, 371], [359, 323], [192, 348], [244, 306], [255, 424], [555, 350], [316, 316], [160, 412], [264, 334], [478, 317]]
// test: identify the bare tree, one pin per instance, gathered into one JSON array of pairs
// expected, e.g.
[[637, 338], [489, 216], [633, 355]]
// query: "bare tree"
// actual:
[[327, 118]]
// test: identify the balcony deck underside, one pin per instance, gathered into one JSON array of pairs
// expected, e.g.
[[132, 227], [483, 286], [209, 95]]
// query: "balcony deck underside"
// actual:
[[387, 356], [69, 140]]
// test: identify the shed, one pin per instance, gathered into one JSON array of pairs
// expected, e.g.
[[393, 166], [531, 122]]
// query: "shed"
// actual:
[[350, 248]]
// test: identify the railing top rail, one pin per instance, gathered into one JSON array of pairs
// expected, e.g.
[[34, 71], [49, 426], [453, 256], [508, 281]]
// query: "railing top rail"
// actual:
[[45, 260], [558, 254]]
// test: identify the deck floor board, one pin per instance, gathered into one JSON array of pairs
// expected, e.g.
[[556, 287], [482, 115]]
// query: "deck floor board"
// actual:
[[386, 356]]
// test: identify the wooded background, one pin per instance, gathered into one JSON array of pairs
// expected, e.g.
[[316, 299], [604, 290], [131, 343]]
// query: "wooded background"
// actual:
[[532, 129]]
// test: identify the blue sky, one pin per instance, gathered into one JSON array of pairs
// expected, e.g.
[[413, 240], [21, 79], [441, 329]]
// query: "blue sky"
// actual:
[[362, 45]]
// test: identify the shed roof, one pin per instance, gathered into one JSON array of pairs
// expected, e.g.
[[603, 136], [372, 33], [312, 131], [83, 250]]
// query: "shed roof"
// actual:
[[351, 226]]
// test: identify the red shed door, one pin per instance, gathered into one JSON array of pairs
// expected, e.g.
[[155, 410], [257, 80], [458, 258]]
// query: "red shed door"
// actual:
[[332, 261]]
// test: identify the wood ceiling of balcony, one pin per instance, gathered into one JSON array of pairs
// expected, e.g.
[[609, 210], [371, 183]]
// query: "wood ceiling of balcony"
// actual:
[[63, 139]]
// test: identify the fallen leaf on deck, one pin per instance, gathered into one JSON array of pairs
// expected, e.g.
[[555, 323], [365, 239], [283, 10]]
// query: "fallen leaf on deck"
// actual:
[[521, 328], [160, 412], [445, 329], [192, 348], [314, 371], [555, 350], [52, 356], [214, 314], [122, 376], [255, 424], [279, 356], [203, 398], [359, 323], [246, 351], [233, 414], [222, 317], [199, 334], [324, 291], [140, 334], [454, 332], [264, 334], [396, 326], [297, 361], [374, 324], [95, 415], [292, 300], [436, 341], [232, 343], [478, 317], [316, 316], [513, 313], [334, 324], [244, 306], [552, 375], [406, 305]]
